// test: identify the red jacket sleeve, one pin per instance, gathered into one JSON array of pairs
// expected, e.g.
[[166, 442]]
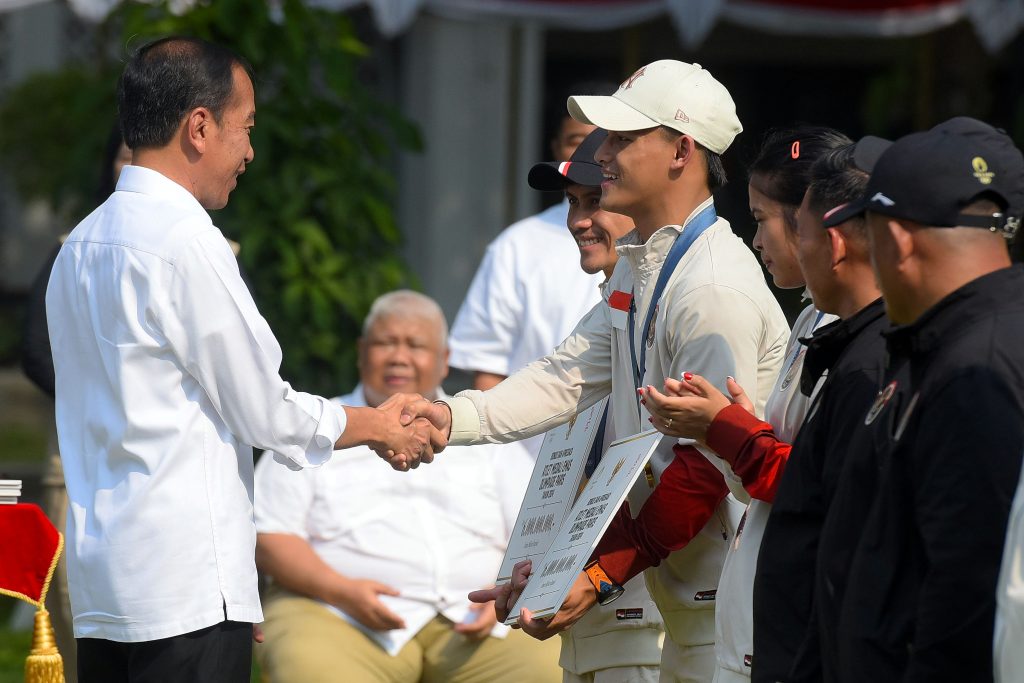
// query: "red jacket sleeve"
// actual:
[[690, 490], [750, 446]]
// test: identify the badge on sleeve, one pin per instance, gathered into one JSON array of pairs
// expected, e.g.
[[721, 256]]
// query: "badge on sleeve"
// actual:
[[618, 306]]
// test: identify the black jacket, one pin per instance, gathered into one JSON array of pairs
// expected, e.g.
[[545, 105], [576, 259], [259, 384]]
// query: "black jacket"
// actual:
[[844, 522], [852, 352], [920, 597]]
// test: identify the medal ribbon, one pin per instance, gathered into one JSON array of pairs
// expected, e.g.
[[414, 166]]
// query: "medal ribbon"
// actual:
[[691, 231]]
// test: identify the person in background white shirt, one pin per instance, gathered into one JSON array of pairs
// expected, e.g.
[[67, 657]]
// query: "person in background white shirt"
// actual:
[[166, 376], [370, 571], [523, 300]]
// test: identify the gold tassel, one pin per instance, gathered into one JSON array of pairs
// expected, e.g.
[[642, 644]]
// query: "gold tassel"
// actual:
[[44, 663]]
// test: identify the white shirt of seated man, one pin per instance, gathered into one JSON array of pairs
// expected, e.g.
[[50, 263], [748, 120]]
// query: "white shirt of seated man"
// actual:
[[388, 551]]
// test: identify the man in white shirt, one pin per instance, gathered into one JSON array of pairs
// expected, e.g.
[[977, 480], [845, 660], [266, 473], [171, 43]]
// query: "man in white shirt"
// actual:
[[371, 569], [166, 377]]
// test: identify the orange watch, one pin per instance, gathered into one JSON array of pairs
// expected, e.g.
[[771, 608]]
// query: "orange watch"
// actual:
[[607, 590]]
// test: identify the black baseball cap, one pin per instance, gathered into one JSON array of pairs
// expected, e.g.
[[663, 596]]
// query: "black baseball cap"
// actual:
[[581, 169], [930, 177], [866, 153]]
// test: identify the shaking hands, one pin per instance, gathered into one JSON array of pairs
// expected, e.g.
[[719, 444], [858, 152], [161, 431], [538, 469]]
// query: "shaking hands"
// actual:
[[412, 430]]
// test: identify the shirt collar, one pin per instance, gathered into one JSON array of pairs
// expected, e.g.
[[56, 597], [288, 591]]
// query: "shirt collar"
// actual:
[[958, 310], [147, 181], [827, 343], [630, 246]]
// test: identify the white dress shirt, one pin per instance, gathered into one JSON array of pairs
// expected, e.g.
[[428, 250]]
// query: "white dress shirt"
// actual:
[[434, 534], [526, 297], [166, 375]]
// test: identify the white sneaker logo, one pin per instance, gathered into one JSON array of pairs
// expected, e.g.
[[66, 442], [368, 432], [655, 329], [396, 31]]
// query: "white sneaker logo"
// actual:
[[882, 199]]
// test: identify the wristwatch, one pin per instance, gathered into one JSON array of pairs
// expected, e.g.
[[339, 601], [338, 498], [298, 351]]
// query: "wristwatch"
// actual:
[[607, 590]]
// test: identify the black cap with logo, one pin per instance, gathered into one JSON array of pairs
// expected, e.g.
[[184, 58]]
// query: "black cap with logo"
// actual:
[[930, 177], [581, 169]]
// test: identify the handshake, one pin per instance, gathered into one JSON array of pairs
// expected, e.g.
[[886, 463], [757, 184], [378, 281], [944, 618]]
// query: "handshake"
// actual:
[[409, 430]]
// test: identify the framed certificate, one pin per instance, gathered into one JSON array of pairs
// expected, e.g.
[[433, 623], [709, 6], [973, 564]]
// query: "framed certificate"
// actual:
[[552, 489], [554, 574]]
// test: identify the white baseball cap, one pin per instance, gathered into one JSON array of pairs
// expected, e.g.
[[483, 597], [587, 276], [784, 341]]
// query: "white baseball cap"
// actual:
[[682, 96]]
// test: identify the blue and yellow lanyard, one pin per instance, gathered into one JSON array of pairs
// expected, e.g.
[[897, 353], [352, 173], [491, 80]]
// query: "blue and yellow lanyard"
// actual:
[[691, 231]]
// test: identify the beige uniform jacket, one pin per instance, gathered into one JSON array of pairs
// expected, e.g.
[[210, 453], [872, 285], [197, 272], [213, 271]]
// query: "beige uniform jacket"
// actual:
[[716, 317]]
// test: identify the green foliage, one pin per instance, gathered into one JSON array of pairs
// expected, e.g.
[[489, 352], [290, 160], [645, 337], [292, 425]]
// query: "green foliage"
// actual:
[[21, 443], [313, 212], [12, 321], [14, 647], [53, 130], [886, 105]]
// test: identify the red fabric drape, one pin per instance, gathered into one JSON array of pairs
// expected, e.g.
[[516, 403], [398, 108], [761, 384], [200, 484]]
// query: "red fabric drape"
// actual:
[[29, 546]]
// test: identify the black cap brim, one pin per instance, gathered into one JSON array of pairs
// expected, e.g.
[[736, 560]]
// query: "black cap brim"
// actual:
[[843, 213], [553, 176]]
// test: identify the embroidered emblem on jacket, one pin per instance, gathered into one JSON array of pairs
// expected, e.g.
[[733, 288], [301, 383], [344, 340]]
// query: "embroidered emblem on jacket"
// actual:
[[883, 398]]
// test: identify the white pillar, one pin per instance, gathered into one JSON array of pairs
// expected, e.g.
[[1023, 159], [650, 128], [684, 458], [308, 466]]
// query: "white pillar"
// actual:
[[529, 91], [31, 40], [474, 90]]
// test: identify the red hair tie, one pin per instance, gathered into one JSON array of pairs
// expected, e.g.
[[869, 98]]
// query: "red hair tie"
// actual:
[[795, 150]]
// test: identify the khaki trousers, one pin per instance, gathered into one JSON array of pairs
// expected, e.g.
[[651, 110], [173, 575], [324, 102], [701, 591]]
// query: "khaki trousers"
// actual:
[[306, 643]]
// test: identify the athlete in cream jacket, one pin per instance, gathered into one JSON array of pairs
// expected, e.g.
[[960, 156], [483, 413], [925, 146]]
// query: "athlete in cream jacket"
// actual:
[[624, 636], [716, 317]]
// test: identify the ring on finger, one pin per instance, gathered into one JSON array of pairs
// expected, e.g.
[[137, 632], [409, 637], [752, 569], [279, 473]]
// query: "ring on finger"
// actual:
[[668, 422]]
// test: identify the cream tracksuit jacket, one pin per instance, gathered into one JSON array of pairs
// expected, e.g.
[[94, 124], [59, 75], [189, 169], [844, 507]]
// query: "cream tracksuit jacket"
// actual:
[[716, 317]]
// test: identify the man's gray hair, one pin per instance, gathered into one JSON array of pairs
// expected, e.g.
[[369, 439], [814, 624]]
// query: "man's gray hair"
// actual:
[[405, 303]]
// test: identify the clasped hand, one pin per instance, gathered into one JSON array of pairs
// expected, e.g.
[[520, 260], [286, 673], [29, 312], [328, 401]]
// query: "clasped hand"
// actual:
[[580, 599], [688, 407], [414, 429]]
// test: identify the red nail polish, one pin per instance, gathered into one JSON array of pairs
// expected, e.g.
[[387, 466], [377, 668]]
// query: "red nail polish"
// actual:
[[687, 376], [651, 420]]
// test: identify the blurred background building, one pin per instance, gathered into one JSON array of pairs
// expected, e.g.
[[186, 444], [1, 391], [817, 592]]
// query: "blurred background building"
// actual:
[[475, 76]]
